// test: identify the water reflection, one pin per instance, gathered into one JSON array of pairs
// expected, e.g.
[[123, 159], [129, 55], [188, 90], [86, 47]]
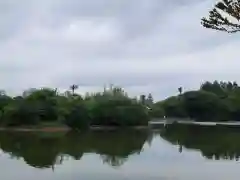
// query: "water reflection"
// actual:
[[43, 150], [214, 142]]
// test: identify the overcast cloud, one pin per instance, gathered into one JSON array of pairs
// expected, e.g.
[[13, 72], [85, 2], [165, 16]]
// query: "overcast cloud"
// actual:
[[142, 45]]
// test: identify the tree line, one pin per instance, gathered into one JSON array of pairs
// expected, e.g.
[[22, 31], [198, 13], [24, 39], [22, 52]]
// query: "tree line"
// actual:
[[213, 101], [112, 107]]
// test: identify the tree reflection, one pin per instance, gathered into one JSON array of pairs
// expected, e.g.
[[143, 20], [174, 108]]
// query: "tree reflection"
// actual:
[[113, 160], [44, 150], [214, 142]]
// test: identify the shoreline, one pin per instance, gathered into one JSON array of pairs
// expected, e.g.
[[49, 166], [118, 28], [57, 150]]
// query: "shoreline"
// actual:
[[151, 125], [200, 123], [66, 129]]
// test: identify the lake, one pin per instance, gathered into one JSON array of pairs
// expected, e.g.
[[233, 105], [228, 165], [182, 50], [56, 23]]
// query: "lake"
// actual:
[[174, 152]]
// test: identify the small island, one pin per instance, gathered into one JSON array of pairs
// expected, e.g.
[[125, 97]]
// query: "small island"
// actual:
[[48, 108]]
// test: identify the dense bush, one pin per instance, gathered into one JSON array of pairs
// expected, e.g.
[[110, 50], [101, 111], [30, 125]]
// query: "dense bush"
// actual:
[[157, 111], [202, 105], [77, 117], [174, 107], [118, 111], [217, 101], [19, 113], [112, 107]]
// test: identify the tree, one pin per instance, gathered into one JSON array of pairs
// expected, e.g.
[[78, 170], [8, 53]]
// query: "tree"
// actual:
[[225, 16], [115, 110], [220, 89], [180, 90], [204, 106], [20, 112], [143, 99], [45, 101], [149, 100], [78, 116], [157, 111], [73, 88], [173, 107]]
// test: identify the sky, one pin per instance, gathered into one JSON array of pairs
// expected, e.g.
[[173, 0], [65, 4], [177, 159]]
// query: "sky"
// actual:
[[144, 46]]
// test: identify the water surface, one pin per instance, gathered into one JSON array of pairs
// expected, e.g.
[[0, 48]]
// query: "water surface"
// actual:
[[175, 152]]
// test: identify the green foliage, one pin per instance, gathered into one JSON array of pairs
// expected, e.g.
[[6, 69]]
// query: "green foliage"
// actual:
[[19, 113], [217, 101], [112, 107], [149, 100], [4, 101], [45, 102], [157, 111], [174, 107], [233, 107], [221, 89], [224, 16], [202, 105], [116, 108], [77, 116]]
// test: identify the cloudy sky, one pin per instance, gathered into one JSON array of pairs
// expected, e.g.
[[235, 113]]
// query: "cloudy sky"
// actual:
[[142, 45]]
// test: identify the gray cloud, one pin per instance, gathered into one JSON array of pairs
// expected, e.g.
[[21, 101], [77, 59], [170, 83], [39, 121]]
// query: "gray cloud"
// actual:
[[143, 45]]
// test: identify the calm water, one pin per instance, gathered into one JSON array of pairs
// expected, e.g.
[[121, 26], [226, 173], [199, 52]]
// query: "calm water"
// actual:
[[176, 152]]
